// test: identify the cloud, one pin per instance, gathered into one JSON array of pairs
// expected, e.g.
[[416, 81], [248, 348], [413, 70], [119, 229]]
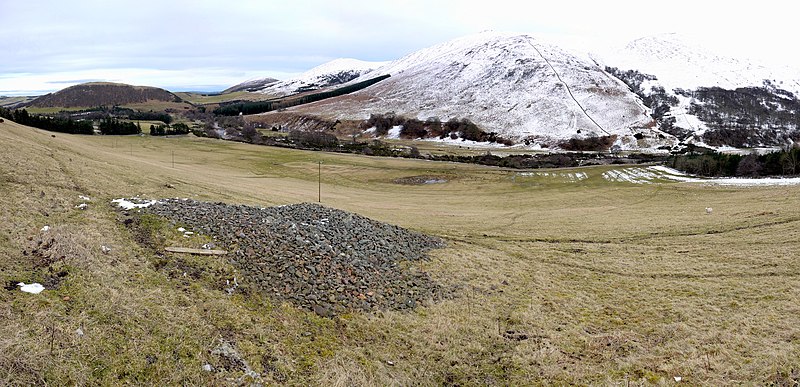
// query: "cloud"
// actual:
[[192, 40]]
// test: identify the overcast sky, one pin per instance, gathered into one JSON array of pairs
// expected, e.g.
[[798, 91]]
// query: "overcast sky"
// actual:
[[210, 45]]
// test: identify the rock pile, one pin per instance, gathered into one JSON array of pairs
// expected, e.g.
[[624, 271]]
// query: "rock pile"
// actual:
[[322, 259]]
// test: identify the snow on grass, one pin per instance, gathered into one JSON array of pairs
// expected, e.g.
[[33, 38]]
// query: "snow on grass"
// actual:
[[133, 203], [630, 175], [757, 182], [34, 288], [567, 177], [659, 173], [470, 143]]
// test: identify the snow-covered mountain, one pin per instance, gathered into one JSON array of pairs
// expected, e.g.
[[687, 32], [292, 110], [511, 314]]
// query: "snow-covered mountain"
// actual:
[[511, 84], [333, 73], [679, 62], [708, 98]]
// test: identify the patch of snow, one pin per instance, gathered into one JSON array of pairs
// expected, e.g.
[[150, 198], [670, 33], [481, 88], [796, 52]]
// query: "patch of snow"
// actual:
[[394, 132], [34, 288], [181, 229], [84, 198], [82, 206], [133, 203]]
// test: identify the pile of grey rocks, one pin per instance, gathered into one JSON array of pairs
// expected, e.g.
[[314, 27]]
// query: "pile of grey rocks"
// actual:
[[319, 258]]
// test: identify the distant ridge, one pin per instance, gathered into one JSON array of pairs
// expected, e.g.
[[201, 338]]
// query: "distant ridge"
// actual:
[[103, 94], [326, 75], [252, 85]]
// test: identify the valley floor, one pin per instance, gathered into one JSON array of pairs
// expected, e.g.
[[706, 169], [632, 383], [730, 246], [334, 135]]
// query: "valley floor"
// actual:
[[577, 279]]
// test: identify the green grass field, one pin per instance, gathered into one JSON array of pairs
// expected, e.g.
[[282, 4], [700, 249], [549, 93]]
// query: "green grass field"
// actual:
[[202, 99], [609, 282]]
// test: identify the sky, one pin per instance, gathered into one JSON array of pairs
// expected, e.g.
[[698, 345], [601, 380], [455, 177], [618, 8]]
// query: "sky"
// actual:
[[210, 45]]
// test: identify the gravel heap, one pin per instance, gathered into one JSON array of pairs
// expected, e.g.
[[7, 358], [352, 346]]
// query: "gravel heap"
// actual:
[[319, 258]]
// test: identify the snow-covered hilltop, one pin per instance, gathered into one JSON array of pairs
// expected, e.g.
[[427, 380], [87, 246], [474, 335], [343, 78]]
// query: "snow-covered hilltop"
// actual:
[[710, 99], [678, 62], [514, 85], [333, 73]]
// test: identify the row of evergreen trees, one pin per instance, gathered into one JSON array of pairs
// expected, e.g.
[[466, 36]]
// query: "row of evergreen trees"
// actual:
[[107, 126], [113, 126], [783, 163], [167, 130], [53, 124]]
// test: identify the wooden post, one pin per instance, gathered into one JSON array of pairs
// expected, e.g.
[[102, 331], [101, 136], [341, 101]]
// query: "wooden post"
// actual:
[[319, 183]]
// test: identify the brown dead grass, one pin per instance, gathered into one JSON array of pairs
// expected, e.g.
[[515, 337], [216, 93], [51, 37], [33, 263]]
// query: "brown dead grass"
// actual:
[[608, 283]]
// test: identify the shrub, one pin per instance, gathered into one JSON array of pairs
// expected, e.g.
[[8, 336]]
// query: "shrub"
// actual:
[[315, 139], [596, 144]]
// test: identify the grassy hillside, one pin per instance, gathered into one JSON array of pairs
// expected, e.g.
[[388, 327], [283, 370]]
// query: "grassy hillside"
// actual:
[[587, 282], [203, 99], [12, 102], [103, 94]]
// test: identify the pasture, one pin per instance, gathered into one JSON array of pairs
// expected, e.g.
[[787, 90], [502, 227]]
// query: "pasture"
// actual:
[[565, 278]]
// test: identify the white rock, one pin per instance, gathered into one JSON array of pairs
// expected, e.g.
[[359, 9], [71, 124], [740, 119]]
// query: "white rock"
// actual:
[[79, 332], [677, 379], [207, 367], [45, 229], [82, 206], [709, 210], [84, 198], [181, 229], [34, 288], [105, 249]]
